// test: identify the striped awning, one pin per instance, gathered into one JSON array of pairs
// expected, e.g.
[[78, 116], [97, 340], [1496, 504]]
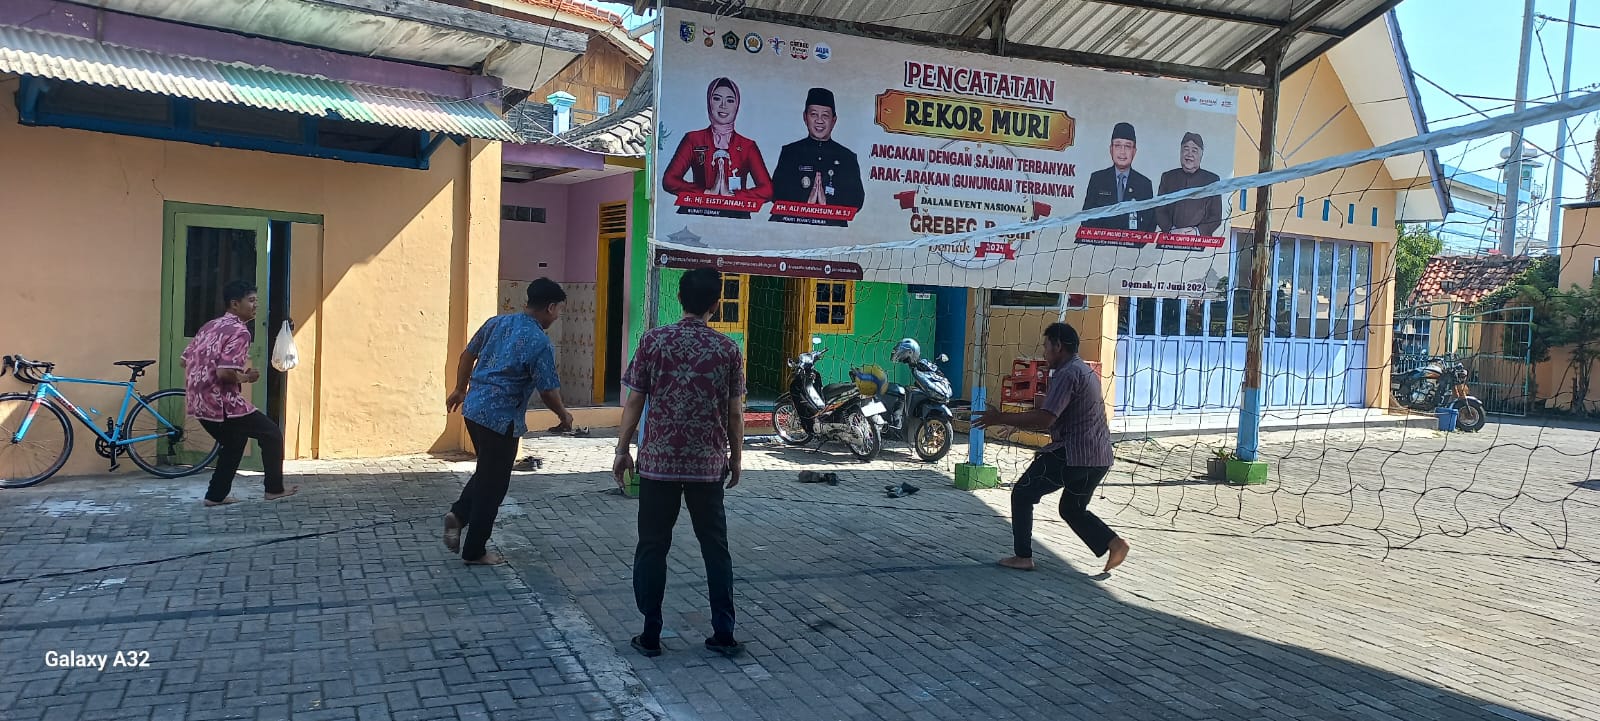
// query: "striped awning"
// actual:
[[79, 60]]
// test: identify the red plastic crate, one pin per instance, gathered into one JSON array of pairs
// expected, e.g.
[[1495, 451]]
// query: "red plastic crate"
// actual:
[[1020, 390], [1035, 367]]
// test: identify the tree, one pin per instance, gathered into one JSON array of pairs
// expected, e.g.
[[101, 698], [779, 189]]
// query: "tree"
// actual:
[[1412, 251], [1577, 327]]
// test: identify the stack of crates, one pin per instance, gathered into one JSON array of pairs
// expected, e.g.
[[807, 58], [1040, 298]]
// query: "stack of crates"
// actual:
[[1026, 381]]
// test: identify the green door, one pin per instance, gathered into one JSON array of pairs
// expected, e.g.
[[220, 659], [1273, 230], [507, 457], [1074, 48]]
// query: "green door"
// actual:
[[203, 253]]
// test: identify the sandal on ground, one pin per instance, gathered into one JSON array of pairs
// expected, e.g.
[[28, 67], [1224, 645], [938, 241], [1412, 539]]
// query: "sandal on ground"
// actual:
[[727, 648], [638, 645]]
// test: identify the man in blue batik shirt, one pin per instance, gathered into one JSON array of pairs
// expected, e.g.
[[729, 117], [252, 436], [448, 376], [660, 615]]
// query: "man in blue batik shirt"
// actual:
[[507, 360]]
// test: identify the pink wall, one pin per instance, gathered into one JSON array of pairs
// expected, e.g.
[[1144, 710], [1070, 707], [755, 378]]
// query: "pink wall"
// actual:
[[583, 248], [567, 242], [523, 246]]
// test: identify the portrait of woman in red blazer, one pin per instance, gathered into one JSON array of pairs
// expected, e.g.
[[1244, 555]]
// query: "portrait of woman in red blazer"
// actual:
[[716, 161]]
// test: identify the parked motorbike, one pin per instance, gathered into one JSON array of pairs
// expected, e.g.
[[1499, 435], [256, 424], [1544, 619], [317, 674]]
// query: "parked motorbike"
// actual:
[[919, 415], [1440, 384], [813, 412]]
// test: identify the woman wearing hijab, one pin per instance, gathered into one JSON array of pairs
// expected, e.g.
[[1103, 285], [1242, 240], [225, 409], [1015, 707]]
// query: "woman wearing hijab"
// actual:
[[718, 161]]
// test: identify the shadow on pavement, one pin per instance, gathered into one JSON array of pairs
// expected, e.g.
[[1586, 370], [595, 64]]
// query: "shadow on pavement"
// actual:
[[854, 606]]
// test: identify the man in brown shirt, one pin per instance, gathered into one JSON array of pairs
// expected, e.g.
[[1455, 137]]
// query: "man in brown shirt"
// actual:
[[1077, 459], [1195, 216]]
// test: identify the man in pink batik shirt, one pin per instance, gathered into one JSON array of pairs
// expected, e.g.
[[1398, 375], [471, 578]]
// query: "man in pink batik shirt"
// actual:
[[216, 366]]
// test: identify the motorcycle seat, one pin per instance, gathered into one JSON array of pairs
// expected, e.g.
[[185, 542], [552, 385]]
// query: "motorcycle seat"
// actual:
[[834, 390]]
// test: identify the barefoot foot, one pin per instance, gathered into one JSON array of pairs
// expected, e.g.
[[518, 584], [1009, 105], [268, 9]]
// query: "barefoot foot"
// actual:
[[487, 559], [1118, 552], [291, 490], [1017, 562], [452, 533], [226, 501]]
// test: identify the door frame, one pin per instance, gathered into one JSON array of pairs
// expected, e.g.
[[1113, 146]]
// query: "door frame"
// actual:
[[169, 375], [602, 292]]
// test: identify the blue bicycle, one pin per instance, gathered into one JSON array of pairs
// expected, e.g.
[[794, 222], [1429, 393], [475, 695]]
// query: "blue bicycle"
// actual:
[[36, 439]]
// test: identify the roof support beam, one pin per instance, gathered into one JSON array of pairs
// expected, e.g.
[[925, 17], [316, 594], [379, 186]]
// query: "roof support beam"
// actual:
[[984, 20], [1327, 45], [977, 45], [1167, 6], [1279, 41], [441, 13]]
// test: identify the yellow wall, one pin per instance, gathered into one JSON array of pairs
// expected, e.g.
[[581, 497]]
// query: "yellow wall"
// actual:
[[378, 331], [1580, 246]]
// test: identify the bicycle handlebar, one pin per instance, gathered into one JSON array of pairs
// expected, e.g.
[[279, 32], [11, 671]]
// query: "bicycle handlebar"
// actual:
[[24, 369]]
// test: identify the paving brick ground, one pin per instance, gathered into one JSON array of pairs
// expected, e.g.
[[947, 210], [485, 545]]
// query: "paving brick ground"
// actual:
[[1285, 601]]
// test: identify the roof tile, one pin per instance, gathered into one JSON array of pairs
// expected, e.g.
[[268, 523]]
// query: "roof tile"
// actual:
[[1466, 278]]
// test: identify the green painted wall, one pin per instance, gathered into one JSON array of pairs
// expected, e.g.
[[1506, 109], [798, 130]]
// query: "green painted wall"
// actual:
[[882, 313], [639, 255]]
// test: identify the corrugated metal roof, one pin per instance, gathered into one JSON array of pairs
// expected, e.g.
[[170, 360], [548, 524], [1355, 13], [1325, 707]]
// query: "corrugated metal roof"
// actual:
[[73, 59], [1200, 35]]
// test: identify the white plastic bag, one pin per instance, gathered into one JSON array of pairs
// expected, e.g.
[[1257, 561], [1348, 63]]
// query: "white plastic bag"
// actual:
[[284, 355]]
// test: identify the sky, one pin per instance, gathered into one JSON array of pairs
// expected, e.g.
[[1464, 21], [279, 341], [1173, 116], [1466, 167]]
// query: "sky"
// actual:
[[1470, 47]]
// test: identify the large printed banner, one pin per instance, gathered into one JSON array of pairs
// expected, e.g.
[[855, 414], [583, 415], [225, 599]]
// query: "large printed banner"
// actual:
[[776, 138]]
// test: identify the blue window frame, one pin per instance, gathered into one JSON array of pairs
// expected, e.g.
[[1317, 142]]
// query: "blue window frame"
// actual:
[[124, 112], [1317, 289]]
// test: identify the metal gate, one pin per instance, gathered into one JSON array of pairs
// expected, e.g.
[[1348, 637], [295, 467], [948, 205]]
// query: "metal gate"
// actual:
[[1495, 346]]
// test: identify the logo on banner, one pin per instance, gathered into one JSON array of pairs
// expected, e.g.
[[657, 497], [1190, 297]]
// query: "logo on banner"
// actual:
[[822, 52], [940, 206], [686, 32], [753, 43], [799, 49], [711, 35], [730, 40], [777, 46]]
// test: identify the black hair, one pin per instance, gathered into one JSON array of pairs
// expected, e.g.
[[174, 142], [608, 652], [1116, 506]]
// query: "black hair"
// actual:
[[699, 290], [1062, 335], [544, 293], [236, 290]]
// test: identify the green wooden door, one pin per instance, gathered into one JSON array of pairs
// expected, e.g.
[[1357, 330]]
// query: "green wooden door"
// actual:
[[204, 252]]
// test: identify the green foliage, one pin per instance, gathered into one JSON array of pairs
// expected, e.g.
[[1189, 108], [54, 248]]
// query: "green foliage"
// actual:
[[1412, 251], [1576, 326], [1538, 287]]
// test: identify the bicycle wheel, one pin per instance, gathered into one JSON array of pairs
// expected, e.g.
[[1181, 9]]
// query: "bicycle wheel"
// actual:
[[42, 451], [174, 444]]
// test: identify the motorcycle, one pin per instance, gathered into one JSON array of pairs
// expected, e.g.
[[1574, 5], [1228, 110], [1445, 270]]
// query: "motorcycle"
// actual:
[[919, 415], [811, 411], [1440, 384]]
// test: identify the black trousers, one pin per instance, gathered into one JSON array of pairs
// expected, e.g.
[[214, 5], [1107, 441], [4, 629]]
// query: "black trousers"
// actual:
[[480, 499], [658, 513], [1047, 474], [234, 434]]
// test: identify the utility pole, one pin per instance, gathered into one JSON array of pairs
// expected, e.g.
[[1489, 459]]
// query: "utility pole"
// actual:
[[1561, 137], [1249, 440], [1508, 228]]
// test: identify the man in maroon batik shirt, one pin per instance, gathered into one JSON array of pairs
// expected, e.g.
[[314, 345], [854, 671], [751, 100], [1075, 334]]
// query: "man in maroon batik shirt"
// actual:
[[693, 380], [1078, 457], [216, 365]]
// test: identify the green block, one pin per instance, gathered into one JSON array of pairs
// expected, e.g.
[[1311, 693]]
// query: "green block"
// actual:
[[971, 478], [1247, 473], [630, 484]]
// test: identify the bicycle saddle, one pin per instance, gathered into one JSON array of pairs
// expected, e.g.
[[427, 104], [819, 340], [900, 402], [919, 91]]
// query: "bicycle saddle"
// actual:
[[138, 365]]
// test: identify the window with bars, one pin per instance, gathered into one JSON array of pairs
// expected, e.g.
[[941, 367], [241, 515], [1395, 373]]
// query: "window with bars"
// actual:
[[1037, 300], [522, 213], [831, 301]]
